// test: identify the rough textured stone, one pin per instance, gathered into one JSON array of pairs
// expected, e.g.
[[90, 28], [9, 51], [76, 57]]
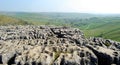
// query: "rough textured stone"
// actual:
[[53, 45]]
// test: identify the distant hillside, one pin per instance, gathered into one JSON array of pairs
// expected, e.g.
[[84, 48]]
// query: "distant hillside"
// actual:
[[93, 25], [106, 28], [7, 20], [50, 17]]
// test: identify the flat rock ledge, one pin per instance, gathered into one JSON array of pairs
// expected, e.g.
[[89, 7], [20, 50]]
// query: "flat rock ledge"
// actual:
[[54, 45]]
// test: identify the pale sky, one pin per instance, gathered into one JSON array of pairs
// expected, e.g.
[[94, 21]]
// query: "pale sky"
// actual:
[[81, 6]]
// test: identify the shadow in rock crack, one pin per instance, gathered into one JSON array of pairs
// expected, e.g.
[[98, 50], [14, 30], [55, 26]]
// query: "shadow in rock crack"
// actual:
[[12, 60]]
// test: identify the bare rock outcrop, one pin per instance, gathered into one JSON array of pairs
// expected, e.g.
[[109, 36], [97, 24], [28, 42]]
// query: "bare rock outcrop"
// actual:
[[53, 45], [107, 51]]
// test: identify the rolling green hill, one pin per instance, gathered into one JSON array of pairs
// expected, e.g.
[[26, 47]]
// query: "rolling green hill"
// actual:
[[105, 26], [108, 30], [7, 20]]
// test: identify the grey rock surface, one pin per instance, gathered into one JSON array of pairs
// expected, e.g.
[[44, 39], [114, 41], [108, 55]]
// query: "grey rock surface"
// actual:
[[53, 45]]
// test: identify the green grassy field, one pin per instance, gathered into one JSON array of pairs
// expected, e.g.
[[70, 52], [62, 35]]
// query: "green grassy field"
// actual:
[[105, 26], [7, 20], [108, 31]]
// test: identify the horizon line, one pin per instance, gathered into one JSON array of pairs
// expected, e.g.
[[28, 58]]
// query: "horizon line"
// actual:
[[60, 12]]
